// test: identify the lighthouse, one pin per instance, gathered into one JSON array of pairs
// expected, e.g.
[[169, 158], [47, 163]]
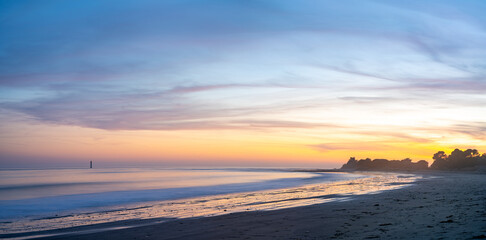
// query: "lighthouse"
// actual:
[[90, 164]]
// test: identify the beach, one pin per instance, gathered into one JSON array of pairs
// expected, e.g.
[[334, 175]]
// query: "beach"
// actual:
[[439, 206], [242, 119]]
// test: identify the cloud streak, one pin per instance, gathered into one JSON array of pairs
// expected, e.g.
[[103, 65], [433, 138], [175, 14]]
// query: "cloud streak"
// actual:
[[330, 67]]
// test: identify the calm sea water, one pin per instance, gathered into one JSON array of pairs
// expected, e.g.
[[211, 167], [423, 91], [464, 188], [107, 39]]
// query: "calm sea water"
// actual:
[[33, 200]]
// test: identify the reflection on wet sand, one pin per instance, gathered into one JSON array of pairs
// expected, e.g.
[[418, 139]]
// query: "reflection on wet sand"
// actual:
[[222, 204]]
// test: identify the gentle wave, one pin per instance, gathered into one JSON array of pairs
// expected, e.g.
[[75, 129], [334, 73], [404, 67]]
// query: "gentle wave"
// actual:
[[218, 201], [195, 201]]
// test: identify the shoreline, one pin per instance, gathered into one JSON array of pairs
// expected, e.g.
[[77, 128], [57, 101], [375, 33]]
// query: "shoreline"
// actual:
[[331, 189], [444, 205]]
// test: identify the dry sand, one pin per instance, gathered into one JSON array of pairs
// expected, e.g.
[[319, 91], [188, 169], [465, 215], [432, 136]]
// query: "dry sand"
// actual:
[[447, 206]]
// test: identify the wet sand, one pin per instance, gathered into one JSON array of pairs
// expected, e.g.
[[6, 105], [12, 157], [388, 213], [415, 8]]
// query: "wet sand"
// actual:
[[445, 206]]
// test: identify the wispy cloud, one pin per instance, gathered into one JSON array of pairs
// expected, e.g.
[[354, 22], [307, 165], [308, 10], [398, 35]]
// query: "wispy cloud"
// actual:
[[360, 146], [201, 88], [327, 65]]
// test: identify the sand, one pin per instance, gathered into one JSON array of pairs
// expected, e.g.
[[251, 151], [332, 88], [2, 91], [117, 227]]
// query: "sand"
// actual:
[[442, 206]]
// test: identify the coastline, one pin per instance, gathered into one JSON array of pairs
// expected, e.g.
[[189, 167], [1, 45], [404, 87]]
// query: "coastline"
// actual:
[[331, 189], [315, 189], [444, 205]]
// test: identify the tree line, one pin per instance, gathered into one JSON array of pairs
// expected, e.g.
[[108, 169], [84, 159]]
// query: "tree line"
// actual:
[[469, 159]]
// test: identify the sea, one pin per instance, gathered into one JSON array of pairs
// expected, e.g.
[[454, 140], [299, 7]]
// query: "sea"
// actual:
[[37, 200]]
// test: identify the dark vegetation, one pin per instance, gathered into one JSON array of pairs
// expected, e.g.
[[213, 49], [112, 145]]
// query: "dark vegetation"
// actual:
[[384, 165], [470, 159]]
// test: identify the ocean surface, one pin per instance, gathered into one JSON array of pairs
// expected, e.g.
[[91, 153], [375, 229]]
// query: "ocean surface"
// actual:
[[36, 200]]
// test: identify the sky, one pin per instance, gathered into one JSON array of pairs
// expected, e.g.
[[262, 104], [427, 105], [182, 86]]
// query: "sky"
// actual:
[[239, 83]]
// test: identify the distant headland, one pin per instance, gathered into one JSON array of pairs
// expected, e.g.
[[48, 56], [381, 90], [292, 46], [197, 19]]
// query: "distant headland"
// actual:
[[469, 159]]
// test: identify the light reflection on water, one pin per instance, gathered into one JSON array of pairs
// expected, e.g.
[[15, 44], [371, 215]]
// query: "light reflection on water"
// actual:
[[222, 204]]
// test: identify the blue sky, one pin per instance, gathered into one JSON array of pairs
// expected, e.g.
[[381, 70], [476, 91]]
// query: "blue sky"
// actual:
[[409, 70]]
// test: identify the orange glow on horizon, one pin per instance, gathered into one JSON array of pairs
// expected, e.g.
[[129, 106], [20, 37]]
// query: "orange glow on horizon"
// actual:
[[221, 147]]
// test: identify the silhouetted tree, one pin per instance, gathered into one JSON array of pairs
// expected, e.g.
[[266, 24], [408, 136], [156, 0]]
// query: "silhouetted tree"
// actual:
[[469, 159], [457, 160], [440, 161], [422, 164], [384, 165], [351, 164]]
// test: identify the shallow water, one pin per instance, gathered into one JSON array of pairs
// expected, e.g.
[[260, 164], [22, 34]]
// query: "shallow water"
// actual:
[[25, 184], [34, 200]]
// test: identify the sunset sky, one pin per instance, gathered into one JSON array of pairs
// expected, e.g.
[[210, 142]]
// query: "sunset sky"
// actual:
[[239, 83]]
